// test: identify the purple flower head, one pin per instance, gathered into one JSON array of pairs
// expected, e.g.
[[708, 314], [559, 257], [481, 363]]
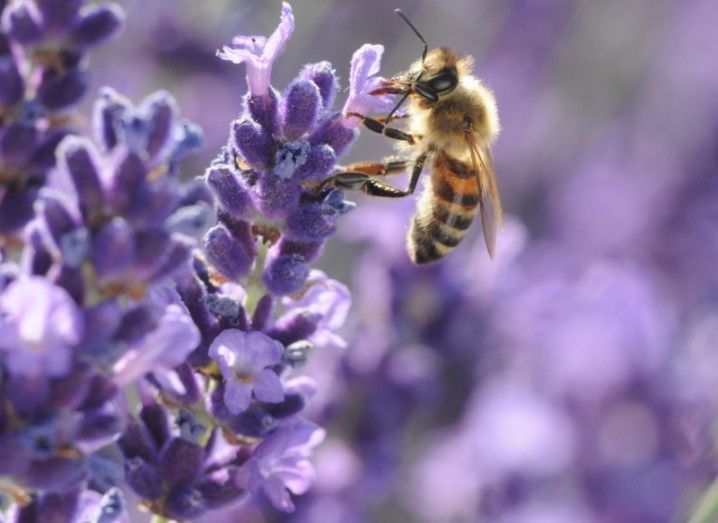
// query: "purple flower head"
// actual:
[[280, 464], [245, 360], [39, 327], [121, 205], [163, 348], [258, 52], [363, 80]]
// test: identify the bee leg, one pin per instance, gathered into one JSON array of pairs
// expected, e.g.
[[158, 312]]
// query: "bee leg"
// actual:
[[387, 167], [378, 127], [364, 182]]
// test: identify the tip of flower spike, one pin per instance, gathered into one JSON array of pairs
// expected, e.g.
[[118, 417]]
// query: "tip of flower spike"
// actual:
[[258, 53], [362, 81]]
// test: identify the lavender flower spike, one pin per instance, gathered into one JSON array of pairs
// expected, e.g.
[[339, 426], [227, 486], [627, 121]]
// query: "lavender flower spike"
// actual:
[[243, 359], [259, 52], [363, 80], [40, 325]]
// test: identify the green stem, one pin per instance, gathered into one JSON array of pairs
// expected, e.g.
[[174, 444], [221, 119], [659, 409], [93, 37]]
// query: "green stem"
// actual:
[[255, 290], [707, 508], [159, 519]]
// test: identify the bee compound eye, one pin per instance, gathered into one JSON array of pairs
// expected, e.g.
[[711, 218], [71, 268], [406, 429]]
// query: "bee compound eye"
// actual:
[[443, 82]]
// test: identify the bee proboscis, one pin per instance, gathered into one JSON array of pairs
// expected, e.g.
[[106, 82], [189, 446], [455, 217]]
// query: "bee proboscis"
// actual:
[[452, 119]]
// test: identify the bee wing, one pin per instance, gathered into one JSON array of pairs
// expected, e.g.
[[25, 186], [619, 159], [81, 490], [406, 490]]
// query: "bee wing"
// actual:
[[492, 214]]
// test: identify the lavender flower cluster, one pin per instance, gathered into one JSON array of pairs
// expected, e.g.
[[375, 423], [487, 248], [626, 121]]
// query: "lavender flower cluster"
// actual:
[[150, 327]]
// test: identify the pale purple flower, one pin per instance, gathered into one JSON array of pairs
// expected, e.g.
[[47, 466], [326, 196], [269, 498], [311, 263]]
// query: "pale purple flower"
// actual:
[[280, 464], [259, 52], [245, 360], [362, 80], [39, 326], [327, 301], [162, 349]]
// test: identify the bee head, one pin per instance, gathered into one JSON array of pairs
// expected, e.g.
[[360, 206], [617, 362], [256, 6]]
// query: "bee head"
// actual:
[[439, 74], [436, 74]]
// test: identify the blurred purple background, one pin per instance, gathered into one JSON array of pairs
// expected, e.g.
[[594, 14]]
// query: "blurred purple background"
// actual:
[[573, 379]]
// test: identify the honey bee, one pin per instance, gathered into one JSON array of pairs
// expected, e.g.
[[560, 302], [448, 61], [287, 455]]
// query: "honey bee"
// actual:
[[452, 120]]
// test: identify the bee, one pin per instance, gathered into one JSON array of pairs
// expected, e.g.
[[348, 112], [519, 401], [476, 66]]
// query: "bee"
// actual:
[[452, 121]]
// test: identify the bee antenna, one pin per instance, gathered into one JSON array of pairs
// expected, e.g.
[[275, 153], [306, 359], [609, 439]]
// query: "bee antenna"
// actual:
[[426, 46]]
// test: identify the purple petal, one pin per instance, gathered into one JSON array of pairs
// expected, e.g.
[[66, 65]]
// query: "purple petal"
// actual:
[[237, 396], [279, 496], [259, 67], [268, 388], [265, 351], [278, 39], [365, 64]]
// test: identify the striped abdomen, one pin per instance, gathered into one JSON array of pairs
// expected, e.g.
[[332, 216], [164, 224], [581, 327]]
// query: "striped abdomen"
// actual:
[[445, 211]]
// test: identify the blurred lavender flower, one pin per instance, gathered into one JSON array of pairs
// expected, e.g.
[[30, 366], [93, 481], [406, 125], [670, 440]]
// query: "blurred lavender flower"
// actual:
[[118, 208], [43, 74], [280, 464], [39, 327]]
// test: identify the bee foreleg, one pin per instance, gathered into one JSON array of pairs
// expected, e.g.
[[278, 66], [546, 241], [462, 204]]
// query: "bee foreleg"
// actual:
[[390, 132]]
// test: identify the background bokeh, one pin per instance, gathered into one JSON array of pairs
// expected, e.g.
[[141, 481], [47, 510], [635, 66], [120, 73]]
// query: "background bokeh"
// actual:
[[572, 379]]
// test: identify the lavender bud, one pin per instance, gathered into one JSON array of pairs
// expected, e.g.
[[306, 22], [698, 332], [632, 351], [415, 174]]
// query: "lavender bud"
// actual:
[[162, 112], [285, 274], [180, 461], [263, 110], [11, 83], [114, 249], [21, 22], [16, 209], [233, 197], [155, 419], [153, 203], [320, 161], [301, 108], [17, 142], [136, 442], [227, 254], [332, 132], [59, 15], [128, 176], [78, 157], [57, 92], [252, 143], [143, 478], [96, 24], [324, 77], [262, 312], [109, 109], [69, 278]]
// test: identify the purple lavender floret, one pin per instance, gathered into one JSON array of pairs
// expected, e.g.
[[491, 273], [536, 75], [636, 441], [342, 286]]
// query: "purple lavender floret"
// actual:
[[245, 360], [280, 464], [43, 76]]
